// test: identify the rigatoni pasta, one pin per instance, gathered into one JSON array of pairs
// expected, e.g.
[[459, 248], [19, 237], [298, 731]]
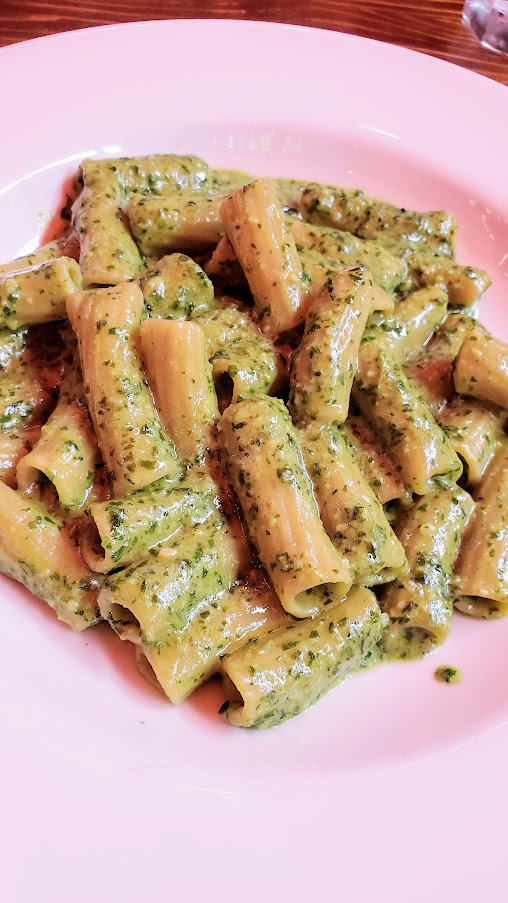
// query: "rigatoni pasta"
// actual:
[[127, 530], [464, 285], [351, 513], [184, 607], [143, 602], [475, 433], [257, 229], [66, 452], [244, 361], [481, 369], [318, 269], [266, 401], [482, 567], [272, 679], [51, 250], [325, 362], [28, 389], [108, 253], [396, 411], [135, 447], [176, 287], [387, 270], [420, 603], [215, 627], [160, 224], [377, 468], [368, 217], [264, 464], [38, 294], [406, 330], [180, 377], [38, 550]]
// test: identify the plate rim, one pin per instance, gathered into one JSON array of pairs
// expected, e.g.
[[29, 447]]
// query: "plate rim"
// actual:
[[256, 23]]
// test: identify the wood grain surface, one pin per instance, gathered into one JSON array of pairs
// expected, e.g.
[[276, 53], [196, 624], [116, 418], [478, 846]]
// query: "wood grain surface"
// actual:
[[430, 26]]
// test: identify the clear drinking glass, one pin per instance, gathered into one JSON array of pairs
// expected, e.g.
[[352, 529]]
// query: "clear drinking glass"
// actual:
[[488, 19]]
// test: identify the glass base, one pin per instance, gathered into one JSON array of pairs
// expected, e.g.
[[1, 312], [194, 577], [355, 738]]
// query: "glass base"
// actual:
[[489, 22]]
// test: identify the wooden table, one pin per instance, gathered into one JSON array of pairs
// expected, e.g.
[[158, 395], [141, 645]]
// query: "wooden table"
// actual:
[[431, 26]]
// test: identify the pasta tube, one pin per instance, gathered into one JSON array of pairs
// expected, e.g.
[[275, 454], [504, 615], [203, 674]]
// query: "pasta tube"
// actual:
[[224, 270], [180, 377], [38, 294], [481, 369], [36, 550], [411, 324], [386, 269], [153, 174], [448, 338], [244, 361], [373, 462], [246, 367], [317, 270], [475, 433], [161, 224], [28, 381], [324, 364], [133, 443], [175, 288], [108, 253], [264, 465], [214, 627], [482, 566], [351, 513], [224, 181], [66, 452], [289, 192], [397, 413], [465, 285], [148, 601], [274, 678], [420, 604], [367, 217], [126, 530], [28, 385], [433, 371], [12, 449], [257, 229], [41, 255]]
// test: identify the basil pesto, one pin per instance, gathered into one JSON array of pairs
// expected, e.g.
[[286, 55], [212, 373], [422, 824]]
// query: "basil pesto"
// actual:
[[258, 403]]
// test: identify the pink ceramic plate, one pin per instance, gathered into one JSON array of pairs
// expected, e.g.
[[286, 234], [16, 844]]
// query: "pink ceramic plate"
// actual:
[[393, 787]]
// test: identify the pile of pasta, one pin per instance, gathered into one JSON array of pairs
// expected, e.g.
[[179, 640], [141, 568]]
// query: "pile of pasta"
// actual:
[[255, 426]]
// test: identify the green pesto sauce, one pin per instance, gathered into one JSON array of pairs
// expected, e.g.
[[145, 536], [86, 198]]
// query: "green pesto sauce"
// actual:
[[448, 675]]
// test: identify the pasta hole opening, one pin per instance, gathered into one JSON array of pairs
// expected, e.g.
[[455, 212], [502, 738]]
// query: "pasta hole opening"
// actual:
[[37, 485], [463, 480], [28, 477], [124, 623], [146, 670], [225, 390], [233, 695], [75, 274], [233, 707], [92, 550]]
